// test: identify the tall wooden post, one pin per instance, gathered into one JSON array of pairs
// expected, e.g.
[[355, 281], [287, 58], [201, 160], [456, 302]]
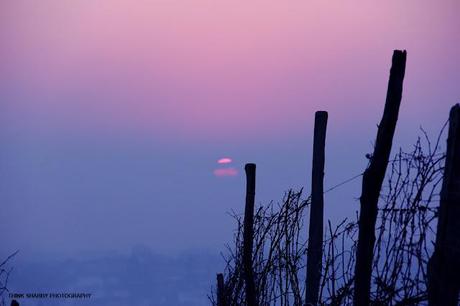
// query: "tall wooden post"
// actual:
[[220, 290], [248, 235], [444, 265], [315, 232], [373, 178]]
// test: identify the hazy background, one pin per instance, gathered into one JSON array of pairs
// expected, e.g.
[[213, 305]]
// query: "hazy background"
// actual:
[[113, 114]]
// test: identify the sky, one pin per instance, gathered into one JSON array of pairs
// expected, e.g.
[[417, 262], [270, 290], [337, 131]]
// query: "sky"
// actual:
[[115, 113]]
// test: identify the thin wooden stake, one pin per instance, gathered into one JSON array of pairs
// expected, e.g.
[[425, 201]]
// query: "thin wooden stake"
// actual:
[[315, 232], [373, 178], [248, 234], [220, 290]]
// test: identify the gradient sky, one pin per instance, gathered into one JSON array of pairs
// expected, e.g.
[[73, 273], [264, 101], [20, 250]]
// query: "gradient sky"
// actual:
[[114, 113]]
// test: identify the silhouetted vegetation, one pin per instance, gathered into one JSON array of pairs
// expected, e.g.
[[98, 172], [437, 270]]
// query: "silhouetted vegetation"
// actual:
[[5, 271], [405, 230], [383, 256]]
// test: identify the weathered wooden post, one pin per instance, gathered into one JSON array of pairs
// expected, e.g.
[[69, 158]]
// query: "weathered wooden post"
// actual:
[[220, 290], [444, 265], [248, 235], [373, 178], [315, 231]]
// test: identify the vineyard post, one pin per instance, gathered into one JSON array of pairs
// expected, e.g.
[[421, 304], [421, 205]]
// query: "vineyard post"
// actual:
[[444, 265], [220, 290], [315, 231], [248, 235], [373, 178]]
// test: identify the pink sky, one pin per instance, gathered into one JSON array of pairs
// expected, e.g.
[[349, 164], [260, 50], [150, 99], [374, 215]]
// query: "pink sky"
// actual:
[[219, 69]]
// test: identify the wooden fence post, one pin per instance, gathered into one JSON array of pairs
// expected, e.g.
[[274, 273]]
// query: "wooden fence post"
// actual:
[[221, 298], [444, 265], [315, 231], [248, 235], [372, 181]]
